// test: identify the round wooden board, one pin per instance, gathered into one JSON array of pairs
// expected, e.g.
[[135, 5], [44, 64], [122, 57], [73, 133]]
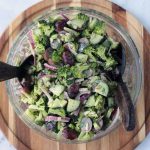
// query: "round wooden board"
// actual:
[[24, 138]]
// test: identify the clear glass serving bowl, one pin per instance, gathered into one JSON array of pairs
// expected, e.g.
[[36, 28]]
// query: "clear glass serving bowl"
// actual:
[[22, 49]]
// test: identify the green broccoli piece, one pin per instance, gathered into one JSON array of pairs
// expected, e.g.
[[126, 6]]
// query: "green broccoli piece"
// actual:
[[56, 58], [46, 27], [60, 50], [100, 28], [63, 72], [40, 48], [59, 112], [39, 119], [38, 66], [73, 32], [114, 44], [99, 103], [60, 125], [37, 91], [101, 52], [79, 21], [90, 102], [78, 70], [92, 23], [90, 113], [28, 98], [77, 127], [66, 37], [82, 16], [109, 112], [72, 126], [86, 33], [57, 103], [95, 38], [44, 113], [42, 23], [46, 81], [81, 58], [36, 34], [53, 19], [90, 51], [84, 136], [36, 108], [110, 63], [30, 114], [40, 102], [57, 89], [48, 30]]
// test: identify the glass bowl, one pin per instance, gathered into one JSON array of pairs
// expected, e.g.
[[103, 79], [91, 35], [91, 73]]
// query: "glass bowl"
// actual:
[[22, 49]]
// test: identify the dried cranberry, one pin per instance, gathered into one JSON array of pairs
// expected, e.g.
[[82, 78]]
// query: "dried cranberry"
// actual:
[[69, 133], [84, 97], [68, 58], [73, 90], [59, 25]]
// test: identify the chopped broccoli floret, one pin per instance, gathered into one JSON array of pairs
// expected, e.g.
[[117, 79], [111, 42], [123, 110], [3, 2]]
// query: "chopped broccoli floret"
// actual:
[[114, 44], [84, 136], [30, 114], [60, 112], [78, 70], [89, 51], [66, 37], [56, 57], [79, 21], [40, 102], [40, 48], [77, 127], [95, 38], [86, 33], [81, 58], [99, 103], [92, 23], [29, 98], [110, 63], [101, 52], [57, 103], [46, 27], [57, 89], [39, 119], [91, 114], [100, 28], [46, 81], [73, 32], [48, 30], [63, 72]]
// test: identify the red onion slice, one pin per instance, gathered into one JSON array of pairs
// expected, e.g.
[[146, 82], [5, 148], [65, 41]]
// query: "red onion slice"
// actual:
[[50, 67], [55, 118]]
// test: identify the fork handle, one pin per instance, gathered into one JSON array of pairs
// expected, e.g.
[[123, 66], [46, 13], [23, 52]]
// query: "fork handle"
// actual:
[[7, 71], [126, 105]]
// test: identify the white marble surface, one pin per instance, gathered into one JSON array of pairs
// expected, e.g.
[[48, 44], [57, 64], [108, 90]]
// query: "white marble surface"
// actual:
[[9, 9]]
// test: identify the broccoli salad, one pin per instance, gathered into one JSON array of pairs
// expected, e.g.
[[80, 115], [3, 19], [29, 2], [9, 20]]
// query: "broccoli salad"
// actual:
[[72, 94]]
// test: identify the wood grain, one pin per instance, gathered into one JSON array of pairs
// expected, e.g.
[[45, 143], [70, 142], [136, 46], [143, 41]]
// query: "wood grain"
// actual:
[[24, 138]]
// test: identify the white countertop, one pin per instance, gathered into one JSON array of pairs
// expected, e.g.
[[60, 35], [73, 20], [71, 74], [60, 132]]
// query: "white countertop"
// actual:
[[9, 9]]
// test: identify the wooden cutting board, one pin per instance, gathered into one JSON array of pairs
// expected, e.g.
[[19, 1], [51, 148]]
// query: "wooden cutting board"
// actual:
[[24, 138]]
